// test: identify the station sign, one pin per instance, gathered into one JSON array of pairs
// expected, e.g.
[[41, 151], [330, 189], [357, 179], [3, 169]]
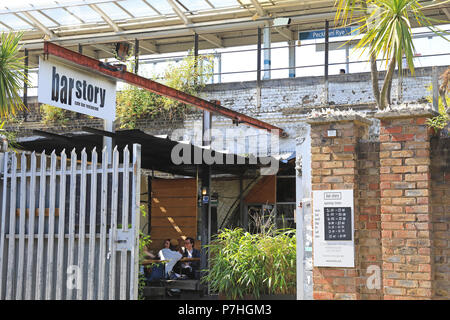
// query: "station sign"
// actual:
[[320, 34], [71, 88], [333, 231]]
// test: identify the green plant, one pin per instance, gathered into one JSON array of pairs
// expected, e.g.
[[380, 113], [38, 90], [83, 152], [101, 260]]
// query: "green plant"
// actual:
[[440, 121], [244, 264], [387, 33], [12, 76], [189, 76], [55, 115]]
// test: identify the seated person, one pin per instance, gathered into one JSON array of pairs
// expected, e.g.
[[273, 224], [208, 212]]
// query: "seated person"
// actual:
[[170, 254], [190, 269]]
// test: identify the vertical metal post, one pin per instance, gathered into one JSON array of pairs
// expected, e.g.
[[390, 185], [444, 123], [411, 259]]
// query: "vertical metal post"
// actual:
[[327, 44], [347, 58], [267, 52], [196, 57], [206, 199], [25, 83], [258, 58], [258, 71], [136, 56], [435, 85], [291, 44], [244, 215], [219, 67]]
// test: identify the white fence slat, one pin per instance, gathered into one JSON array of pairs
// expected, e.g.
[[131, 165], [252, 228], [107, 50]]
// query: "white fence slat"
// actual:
[[103, 222], [3, 219], [12, 231], [31, 218], [61, 226], [23, 203], [135, 216], [71, 242], [82, 221], [40, 245], [37, 271], [92, 223], [125, 203], [51, 229], [113, 232]]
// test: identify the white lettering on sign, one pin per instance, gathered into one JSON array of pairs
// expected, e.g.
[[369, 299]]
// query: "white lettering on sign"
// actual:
[[333, 228], [73, 89]]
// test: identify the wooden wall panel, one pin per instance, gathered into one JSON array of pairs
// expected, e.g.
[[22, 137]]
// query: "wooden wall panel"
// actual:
[[263, 192], [174, 210]]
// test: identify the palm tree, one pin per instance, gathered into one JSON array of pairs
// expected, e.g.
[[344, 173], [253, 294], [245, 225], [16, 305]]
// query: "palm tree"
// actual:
[[387, 32], [12, 76]]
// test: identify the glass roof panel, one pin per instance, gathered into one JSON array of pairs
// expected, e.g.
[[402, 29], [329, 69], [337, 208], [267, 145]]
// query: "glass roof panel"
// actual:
[[15, 23], [45, 21], [62, 16], [86, 13], [195, 5], [113, 11], [162, 6], [138, 8], [224, 3]]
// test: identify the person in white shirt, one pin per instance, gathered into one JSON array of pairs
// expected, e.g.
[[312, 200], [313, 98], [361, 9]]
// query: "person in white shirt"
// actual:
[[170, 254]]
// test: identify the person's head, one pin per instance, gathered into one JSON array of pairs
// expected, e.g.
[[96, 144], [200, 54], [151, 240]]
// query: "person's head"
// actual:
[[167, 243], [173, 245], [342, 71], [189, 243]]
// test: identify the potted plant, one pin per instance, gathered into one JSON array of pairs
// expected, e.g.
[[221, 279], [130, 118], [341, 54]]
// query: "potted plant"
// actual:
[[253, 266]]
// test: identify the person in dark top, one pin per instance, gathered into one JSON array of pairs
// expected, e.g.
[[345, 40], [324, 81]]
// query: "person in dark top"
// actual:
[[190, 269]]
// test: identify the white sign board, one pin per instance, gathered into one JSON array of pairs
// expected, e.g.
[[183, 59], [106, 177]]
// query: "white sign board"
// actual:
[[76, 90], [333, 231]]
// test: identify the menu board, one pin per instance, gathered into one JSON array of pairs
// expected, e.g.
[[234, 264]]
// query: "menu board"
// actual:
[[333, 241], [338, 223]]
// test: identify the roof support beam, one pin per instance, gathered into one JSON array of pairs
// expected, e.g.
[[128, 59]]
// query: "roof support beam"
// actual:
[[285, 32], [179, 13], [214, 40], [39, 25], [447, 12], [105, 17], [259, 8], [158, 88]]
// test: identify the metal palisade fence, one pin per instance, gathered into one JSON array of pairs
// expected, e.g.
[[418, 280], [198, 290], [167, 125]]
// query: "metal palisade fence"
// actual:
[[69, 228]]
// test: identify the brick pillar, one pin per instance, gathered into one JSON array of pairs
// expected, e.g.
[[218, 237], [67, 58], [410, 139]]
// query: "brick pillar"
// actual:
[[335, 166], [405, 185]]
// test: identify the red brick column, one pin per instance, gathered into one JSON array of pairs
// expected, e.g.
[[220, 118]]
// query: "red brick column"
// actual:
[[405, 185], [335, 166]]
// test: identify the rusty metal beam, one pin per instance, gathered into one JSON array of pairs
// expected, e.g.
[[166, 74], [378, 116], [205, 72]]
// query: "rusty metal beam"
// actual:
[[158, 88]]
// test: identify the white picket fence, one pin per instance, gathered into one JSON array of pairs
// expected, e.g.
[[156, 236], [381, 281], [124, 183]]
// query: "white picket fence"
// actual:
[[69, 229]]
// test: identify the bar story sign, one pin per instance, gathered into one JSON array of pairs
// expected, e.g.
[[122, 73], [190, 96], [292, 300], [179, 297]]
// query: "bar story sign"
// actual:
[[74, 89], [333, 217]]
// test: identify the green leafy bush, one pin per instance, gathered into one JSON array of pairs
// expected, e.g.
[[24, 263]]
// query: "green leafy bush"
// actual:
[[189, 76], [55, 115], [440, 121], [244, 264]]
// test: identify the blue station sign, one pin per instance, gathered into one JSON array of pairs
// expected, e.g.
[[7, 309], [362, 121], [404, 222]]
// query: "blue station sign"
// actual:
[[320, 34]]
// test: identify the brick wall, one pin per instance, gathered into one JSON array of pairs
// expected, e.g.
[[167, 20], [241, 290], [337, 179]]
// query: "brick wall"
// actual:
[[440, 190], [300, 94], [406, 208], [369, 217], [402, 207], [336, 165]]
